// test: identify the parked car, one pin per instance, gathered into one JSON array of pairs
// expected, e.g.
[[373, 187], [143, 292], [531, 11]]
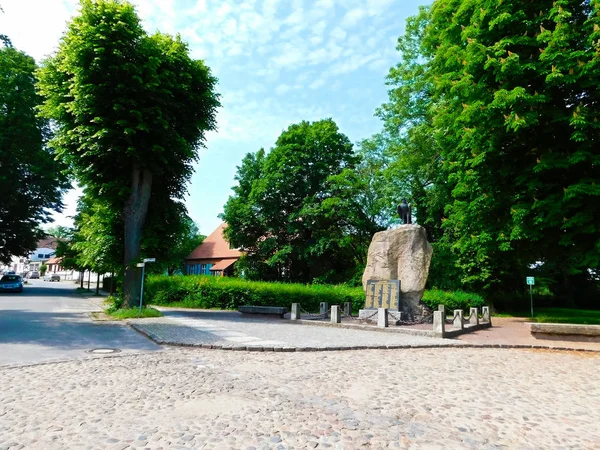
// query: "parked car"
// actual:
[[33, 275], [52, 277], [11, 283]]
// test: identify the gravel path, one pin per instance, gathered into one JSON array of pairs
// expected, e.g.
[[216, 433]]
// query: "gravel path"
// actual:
[[448, 398]]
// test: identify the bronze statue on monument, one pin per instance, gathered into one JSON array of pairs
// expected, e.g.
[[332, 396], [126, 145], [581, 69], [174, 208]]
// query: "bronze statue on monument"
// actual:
[[404, 212]]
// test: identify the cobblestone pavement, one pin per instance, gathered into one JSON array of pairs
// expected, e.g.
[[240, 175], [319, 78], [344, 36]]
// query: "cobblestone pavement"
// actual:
[[449, 398], [229, 328]]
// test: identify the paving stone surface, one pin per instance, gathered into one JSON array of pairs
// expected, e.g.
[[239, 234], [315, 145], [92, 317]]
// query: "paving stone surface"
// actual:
[[444, 398], [234, 330]]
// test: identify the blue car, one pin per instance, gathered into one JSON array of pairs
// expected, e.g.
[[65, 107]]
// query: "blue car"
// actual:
[[11, 283]]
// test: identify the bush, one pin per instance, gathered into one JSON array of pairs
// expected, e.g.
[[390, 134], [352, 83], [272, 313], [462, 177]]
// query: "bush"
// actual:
[[452, 299], [209, 292], [112, 304]]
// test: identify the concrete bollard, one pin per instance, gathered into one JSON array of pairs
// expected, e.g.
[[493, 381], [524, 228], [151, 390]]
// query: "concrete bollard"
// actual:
[[295, 314], [485, 312], [324, 309], [439, 323], [474, 318], [347, 309], [458, 319], [336, 314], [382, 317], [442, 309]]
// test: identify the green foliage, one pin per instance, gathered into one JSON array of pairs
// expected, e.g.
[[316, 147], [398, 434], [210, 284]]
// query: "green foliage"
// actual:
[[134, 313], [452, 299], [298, 211], [30, 178], [565, 315], [493, 121], [170, 237], [113, 308], [112, 303], [43, 269], [229, 293], [131, 111], [97, 241]]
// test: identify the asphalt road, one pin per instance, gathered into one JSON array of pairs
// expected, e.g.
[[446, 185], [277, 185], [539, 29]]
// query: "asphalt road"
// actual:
[[49, 320]]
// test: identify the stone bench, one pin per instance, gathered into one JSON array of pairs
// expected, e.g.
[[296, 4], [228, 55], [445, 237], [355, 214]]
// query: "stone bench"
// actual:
[[565, 329], [278, 310]]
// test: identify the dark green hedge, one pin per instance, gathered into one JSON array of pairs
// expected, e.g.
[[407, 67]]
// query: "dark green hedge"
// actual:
[[452, 299], [209, 292], [228, 293]]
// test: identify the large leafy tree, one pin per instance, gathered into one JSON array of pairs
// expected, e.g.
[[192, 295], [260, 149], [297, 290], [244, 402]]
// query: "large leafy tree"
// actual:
[[518, 122], [30, 179], [131, 111], [502, 99], [170, 235], [293, 214]]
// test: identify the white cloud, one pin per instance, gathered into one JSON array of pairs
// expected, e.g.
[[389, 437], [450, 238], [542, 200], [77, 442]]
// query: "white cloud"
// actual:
[[199, 7], [376, 7], [353, 16], [338, 34], [283, 89], [35, 27], [230, 27], [223, 11], [317, 83], [289, 57], [278, 62]]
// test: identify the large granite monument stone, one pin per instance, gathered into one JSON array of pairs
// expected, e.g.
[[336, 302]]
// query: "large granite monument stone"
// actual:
[[401, 254]]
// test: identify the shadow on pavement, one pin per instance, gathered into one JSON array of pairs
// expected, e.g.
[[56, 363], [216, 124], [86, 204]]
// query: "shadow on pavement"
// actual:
[[66, 330], [225, 316], [38, 290]]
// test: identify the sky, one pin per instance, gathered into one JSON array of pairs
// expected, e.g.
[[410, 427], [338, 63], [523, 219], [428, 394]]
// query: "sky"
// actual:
[[278, 62]]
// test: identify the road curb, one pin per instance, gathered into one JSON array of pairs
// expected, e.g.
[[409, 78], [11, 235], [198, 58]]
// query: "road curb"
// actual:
[[246, 348]]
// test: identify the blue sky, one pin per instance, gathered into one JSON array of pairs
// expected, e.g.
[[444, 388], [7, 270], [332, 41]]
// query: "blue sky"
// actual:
[[278, 62]]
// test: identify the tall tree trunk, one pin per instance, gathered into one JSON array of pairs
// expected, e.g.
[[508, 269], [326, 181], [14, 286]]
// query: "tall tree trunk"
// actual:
[[98, 283], [134, 215], [112, 281], [81, 278], [89, 278]]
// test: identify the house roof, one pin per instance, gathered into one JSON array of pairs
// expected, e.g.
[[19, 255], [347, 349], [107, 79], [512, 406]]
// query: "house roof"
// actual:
[[48, 242], [214, 247], [223, 264], [55, 260]]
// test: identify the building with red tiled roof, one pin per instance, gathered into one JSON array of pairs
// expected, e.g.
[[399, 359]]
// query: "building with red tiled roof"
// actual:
[[54, 265], [213, 257], [48, 242]]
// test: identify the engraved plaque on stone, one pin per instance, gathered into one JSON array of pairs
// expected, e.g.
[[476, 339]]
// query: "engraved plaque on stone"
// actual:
[[383, 294]]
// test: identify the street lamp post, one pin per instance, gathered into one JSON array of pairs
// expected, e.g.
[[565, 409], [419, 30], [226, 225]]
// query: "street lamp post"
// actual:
[[143, 266]]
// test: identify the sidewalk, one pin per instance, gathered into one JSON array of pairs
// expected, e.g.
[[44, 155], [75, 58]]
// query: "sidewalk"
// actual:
[[232, 330], [515, 331]]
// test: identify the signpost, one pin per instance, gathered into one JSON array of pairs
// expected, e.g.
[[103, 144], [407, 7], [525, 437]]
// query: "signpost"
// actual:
[[531, 283], [143, 266]]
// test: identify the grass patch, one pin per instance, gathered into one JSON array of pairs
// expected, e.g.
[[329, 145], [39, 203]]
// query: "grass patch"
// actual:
[[567, 315], [133, 313]]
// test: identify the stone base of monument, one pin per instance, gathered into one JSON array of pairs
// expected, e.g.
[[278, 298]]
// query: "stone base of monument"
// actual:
[[394, 317]]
